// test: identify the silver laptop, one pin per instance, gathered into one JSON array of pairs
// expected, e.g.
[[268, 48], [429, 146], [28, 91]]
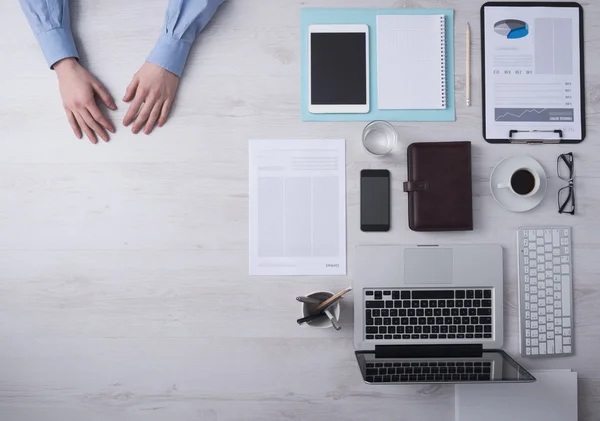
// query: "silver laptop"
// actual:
[[431, 314]]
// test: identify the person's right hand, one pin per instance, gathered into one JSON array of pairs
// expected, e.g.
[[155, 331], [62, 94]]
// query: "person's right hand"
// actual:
[[78, 89]]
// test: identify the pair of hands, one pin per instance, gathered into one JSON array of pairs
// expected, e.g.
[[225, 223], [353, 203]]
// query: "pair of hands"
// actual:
[[151, 94]]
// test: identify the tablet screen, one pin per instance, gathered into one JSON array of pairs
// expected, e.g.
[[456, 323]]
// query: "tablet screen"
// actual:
[[338, 68]]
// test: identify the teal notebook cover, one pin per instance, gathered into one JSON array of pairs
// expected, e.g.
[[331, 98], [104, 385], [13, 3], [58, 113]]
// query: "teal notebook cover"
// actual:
[[312, 16]]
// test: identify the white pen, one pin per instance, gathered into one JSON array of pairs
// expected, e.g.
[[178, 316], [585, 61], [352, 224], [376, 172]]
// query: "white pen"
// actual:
[[468, 59]]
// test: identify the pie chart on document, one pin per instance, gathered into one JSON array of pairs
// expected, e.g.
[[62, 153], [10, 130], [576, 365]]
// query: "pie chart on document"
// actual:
[[512, 28]]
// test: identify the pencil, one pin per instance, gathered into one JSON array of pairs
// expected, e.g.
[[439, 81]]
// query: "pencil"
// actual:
[[468, 59], [325, 303]]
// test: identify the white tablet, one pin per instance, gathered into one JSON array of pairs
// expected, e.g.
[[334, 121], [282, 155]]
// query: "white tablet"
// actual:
[[338, 69]]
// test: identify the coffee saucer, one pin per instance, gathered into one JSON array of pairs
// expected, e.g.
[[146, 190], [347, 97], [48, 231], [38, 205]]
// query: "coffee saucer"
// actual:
[[505, 197]]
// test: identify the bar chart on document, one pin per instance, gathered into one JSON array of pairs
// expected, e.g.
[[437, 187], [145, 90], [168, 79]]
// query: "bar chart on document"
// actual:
[[532, 71]]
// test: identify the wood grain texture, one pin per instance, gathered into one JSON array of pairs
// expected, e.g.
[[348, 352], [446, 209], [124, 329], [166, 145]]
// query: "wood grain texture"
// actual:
[[124, 292]]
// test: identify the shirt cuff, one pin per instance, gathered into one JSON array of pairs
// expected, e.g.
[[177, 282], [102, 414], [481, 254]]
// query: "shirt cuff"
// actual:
[[57, 44], [170, 54]]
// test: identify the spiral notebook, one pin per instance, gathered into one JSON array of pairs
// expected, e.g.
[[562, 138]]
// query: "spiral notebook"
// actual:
[[411, 62]]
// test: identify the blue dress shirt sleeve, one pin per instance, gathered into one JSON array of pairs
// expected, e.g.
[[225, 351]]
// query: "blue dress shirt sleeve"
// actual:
[[51, 24], [185, 19]]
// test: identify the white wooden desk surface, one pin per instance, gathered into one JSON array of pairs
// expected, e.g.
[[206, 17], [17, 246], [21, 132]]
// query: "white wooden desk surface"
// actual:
[[124, 287]]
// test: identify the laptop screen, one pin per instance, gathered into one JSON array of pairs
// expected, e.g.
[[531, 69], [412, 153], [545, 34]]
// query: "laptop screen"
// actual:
[[490, 367]]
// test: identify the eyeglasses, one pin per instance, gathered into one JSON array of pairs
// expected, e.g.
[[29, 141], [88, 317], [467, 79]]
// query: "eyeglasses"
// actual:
[[565, 166]]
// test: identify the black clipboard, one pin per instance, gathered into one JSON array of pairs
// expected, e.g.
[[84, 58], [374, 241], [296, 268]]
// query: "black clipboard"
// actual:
[[556, 133]]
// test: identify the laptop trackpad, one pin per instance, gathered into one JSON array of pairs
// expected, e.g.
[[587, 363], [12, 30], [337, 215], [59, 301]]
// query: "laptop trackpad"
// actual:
[[428, 266]]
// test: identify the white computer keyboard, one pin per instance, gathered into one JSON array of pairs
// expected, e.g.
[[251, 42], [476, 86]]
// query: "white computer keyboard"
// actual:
[[545, 291]]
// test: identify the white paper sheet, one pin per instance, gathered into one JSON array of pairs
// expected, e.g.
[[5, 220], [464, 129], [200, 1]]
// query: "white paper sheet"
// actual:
[[553, 397], [411, 62], [297, 207], [532, 72]]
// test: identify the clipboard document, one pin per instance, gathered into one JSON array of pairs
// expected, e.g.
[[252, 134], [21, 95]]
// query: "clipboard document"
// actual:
[[532, 69]]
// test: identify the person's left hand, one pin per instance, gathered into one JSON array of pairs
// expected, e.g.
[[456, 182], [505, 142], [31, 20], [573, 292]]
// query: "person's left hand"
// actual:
[[153, 90]]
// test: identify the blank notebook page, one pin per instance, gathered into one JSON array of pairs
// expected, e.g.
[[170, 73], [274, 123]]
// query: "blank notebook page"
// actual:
[[411, 62]]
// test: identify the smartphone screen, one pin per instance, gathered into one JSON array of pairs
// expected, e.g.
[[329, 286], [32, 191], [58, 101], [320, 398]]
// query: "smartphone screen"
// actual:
[[375, 200]]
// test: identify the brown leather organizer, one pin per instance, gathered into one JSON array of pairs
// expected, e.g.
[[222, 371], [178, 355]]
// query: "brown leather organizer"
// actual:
[[440, 194]]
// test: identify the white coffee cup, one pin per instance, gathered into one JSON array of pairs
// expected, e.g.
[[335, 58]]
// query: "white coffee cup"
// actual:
[[321, 322], [523, 182]]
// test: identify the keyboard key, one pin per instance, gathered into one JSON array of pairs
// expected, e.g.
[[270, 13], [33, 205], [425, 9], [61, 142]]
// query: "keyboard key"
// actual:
[[414, 304], [378, 295], [382, 329], [418, 329], [397, 336], [424, 303], [464, 311], [432, 294], [387, 292], [420, 312], [395, 295], [371, 329], [385, 313], [391, 329], [369, 337], [376, 313], [378, 321], [398, 304], [378, 336], [375, 304], [472, 312], [405, 295], [485, 320], [487, 293], [459, 294], [389, 304], [411, 312], [394, 313], [387, 337], [486, 303], [484, 311], [368, 292], [387, 321], [430, 320]]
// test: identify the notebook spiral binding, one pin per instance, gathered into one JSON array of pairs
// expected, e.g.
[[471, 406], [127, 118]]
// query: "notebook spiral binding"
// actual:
[[443, 52]]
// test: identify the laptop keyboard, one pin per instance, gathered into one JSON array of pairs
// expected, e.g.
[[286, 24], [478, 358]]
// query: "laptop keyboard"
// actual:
[[427, 314], [420, 371]]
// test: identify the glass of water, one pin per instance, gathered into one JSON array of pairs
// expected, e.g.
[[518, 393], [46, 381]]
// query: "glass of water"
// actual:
[[379, 138]]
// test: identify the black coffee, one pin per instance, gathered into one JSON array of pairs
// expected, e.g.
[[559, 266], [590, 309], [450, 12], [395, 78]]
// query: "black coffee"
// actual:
[[522, 182]]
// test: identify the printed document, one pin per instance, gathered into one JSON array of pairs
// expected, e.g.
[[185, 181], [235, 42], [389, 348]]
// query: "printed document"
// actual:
[[532, 72], [297, 207]]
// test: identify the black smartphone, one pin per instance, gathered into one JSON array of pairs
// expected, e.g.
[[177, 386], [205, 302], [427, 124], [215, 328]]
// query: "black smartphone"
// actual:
[[375, 200]]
